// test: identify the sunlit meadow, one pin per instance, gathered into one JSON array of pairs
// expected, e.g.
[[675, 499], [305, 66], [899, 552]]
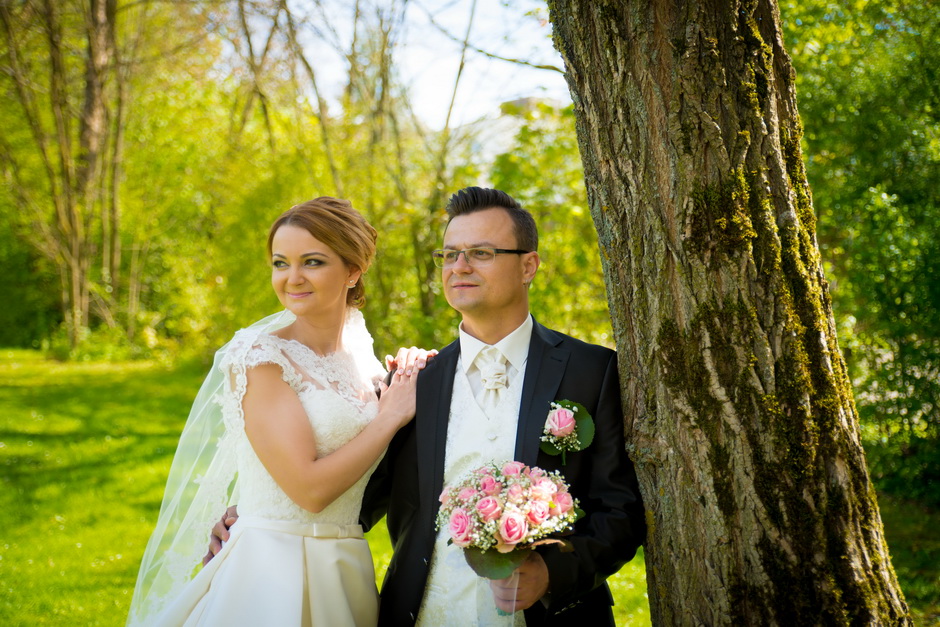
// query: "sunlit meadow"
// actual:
[[84, 453]]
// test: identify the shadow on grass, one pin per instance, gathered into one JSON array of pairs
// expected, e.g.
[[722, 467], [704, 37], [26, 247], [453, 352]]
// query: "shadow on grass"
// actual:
[[911, 531], [84, 452], [114, 402], [78, 432]]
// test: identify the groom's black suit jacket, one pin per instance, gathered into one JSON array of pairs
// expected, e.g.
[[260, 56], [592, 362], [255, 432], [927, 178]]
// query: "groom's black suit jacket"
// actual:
[[410, 480]]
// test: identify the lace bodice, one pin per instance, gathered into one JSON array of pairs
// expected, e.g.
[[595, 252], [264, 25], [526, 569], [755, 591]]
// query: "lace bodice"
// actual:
[[214, 453], [339, 401]]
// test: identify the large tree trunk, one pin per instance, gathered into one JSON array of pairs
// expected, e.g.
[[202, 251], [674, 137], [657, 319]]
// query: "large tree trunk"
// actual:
[[740, 415]]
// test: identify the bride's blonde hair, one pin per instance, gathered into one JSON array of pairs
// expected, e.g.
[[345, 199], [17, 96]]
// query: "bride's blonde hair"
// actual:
[[334, 222]]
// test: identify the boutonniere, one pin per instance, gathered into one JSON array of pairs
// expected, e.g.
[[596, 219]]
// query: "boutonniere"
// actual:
[[568, 427]]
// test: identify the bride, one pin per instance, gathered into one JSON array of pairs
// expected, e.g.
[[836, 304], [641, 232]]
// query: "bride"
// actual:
[[288, 425]]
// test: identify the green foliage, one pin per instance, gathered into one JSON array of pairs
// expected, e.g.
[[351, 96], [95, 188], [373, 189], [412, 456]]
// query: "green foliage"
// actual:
[[911, 530], [213, 152], [542, 169], [30, 310], [867, 85], [29, 286], [495, 565]]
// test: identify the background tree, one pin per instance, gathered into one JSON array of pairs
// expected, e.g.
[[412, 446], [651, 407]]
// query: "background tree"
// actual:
[[65, 105], [101, 176], [867, 76], [567, 292], [371, 148], [740, 413]]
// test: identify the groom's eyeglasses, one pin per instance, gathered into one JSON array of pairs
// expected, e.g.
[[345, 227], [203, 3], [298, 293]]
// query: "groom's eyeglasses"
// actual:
[[446, 257]]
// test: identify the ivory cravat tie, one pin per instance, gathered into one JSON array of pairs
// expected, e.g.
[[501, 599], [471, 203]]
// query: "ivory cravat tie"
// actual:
[[492, 365]]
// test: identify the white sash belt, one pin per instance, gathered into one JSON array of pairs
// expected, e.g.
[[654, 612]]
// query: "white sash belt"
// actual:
[[282, 572], [309, 530]]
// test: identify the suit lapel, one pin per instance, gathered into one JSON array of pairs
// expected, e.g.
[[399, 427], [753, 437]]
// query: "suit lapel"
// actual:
[[545, 367], [435, 388]]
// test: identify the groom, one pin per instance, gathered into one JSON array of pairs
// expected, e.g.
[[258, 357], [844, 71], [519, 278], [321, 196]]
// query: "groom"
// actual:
[[486, 397]]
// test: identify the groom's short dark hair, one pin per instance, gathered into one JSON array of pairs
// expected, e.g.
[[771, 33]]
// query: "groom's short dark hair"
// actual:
[[473, 199]]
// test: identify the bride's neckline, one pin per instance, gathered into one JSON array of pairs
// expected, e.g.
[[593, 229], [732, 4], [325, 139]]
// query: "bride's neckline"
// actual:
[[284, 340]]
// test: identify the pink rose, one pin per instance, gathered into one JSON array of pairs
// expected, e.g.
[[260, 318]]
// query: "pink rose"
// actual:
[[561, 504], [512, 469], [560, 422], [535, 473], [460, 527], [543, 489], [515, 493], [490, 486], [445, 496], [489, 508], [466, 494], [511, 530], [538, 512]]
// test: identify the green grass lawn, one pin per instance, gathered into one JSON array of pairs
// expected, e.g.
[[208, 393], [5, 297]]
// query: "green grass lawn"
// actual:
[[84, 452]]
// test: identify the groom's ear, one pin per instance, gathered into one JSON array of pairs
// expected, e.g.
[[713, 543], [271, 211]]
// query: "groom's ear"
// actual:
[[530, 265]]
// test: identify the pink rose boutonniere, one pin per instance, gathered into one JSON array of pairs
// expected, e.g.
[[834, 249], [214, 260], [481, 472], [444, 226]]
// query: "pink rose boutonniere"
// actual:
[[569, 427]]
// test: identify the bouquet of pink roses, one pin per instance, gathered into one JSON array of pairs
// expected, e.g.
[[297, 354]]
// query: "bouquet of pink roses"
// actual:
[[500, 512]]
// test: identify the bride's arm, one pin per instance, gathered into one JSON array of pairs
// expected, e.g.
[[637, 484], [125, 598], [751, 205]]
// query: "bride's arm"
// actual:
[[280, 434], [409, 360]]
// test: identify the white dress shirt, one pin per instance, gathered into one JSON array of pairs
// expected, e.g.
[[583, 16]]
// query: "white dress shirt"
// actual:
[[514, 347], [454, 593]]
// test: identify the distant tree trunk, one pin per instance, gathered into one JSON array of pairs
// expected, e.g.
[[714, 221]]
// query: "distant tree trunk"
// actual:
[[740, 415], [73, 147], [324, 121], [111, 213]]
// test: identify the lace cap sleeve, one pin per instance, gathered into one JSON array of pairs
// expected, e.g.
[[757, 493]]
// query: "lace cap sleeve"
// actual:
[[246, 351], [199, 482]]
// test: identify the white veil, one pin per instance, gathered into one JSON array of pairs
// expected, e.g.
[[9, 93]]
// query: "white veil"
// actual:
[[201, 482]]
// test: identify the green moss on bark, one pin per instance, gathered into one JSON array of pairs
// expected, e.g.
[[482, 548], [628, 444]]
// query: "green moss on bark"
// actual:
[[721, 220], [762, 58], [710, 364], [723, 333]]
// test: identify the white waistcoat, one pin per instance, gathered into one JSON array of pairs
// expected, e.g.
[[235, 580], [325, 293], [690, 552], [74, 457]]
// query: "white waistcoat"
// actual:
[[454, 592]]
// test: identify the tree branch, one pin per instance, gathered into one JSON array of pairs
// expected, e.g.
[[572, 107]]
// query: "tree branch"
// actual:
[[321, 103], [455, 39], [25, 95]]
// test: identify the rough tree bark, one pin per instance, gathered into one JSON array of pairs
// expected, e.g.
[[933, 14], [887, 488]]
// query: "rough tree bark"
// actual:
[[739, 412]]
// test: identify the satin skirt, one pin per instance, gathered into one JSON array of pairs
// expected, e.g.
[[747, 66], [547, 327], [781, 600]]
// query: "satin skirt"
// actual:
[[274, 572]]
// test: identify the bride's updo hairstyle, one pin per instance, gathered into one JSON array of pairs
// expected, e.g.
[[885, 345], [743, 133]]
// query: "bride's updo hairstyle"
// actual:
[[334, 222]]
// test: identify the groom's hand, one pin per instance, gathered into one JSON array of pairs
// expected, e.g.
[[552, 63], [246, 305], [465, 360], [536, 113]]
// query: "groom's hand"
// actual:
[[532, 585], [220, 533]]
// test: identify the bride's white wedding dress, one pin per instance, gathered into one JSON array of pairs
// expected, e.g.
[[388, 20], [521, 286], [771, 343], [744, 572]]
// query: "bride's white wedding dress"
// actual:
[[284, 565]]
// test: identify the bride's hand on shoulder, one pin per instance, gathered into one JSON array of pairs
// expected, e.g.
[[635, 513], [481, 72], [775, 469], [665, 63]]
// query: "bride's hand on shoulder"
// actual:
[[409, 360], [397, 399]]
